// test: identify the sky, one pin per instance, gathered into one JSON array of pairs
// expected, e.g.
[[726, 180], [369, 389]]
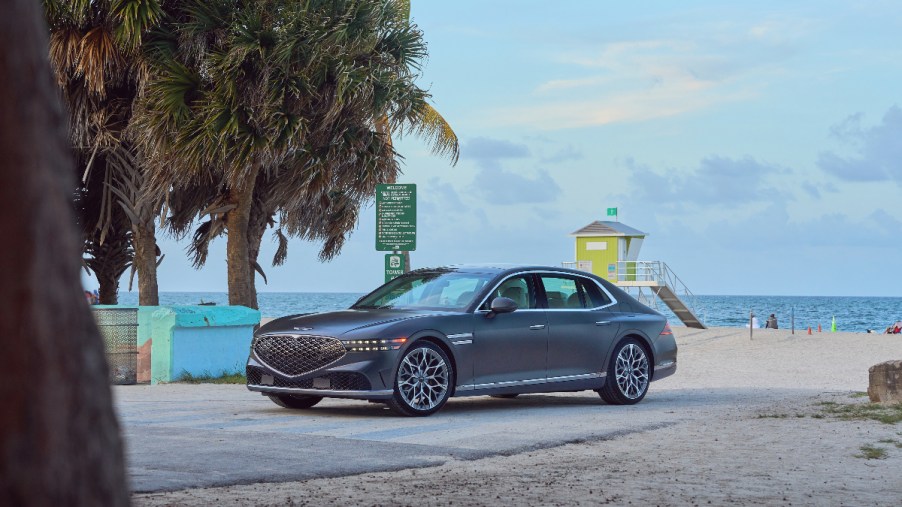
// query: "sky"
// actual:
[[758, 144]]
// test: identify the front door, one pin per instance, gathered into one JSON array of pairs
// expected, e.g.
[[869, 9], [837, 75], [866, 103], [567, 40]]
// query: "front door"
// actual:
[[511, 347]]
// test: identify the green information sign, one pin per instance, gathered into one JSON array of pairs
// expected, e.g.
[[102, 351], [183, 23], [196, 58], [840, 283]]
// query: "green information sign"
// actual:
[[612, 212], [394, 266], [396, 217]]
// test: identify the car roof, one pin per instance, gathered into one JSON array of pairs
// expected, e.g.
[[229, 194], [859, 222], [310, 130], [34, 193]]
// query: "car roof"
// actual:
[[499, 268]]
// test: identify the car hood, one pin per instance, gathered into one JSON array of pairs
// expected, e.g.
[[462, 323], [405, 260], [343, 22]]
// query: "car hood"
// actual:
[[341, 322]]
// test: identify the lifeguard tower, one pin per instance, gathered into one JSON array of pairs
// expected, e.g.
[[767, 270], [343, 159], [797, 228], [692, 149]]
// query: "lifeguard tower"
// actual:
[[611, 251]]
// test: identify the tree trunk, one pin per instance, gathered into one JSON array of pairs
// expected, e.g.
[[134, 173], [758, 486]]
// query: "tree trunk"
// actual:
[[59, 438], [259, 220], [145, 262], [108, 287], [241, 272]]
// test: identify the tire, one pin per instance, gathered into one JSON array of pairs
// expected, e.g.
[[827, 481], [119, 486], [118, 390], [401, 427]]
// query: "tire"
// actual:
[[295, 401], [628, 374], [505, 396], [423, 381]]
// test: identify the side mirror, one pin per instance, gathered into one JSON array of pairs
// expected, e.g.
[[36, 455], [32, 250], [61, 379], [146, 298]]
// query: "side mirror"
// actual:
[[503, 305]]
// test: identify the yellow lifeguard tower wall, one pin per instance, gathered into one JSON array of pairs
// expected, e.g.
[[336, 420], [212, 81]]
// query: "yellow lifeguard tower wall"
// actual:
[[602, 247]]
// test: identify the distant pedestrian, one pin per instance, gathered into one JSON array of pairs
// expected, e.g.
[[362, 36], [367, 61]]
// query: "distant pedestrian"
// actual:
[[771, 322]]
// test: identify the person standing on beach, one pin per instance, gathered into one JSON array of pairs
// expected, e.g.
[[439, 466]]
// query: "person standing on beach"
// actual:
[[771, 322]]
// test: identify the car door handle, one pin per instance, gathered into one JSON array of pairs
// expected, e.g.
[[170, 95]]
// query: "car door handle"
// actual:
[[537, 327], [603, 323]]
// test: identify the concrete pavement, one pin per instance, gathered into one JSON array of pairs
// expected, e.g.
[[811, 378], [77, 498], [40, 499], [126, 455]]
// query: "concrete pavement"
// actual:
[[182, 436]]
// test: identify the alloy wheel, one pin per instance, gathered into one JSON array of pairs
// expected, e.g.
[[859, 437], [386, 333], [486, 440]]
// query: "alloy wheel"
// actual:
[[631, 371], [423, 379]]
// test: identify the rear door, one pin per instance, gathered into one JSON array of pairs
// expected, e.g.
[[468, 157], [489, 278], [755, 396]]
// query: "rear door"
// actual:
[[581, 327], [511, 347]]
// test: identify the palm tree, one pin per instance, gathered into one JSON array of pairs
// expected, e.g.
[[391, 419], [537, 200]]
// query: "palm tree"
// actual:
[[283, 92], [95, 55], [317, 213]]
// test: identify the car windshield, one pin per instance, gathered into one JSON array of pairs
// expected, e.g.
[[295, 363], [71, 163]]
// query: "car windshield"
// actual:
[[433, 290]]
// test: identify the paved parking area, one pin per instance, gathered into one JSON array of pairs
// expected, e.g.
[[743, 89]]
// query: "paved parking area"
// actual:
[[185, 436]]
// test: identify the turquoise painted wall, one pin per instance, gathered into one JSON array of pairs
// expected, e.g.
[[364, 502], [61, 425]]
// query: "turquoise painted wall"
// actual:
[[200, 340]]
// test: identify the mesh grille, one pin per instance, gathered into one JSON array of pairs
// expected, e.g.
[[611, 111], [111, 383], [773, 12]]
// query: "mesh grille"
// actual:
[[338, 381], [119, 329], [294, 355]]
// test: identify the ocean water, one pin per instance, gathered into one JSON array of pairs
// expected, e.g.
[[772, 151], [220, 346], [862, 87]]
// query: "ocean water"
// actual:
[[854, 314]]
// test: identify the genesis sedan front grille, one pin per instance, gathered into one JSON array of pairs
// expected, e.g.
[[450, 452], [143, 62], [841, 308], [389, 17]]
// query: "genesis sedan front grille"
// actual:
[[295, 355]]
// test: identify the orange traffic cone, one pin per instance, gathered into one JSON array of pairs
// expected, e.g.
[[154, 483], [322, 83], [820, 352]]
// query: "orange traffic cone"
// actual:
[[809, 329], [818, 328]]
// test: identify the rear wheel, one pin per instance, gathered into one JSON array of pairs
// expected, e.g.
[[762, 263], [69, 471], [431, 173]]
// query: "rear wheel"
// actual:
[[628, 374], [423, 381], [296, 401]]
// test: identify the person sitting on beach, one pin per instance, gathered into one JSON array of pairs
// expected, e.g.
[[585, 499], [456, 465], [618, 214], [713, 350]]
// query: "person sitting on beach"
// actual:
[[771, 322]]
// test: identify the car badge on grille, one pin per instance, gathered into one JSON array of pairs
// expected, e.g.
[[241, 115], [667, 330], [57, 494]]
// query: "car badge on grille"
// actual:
[[303, 329]]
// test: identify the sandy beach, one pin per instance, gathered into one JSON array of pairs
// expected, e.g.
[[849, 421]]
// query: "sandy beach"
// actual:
[[779, 440]]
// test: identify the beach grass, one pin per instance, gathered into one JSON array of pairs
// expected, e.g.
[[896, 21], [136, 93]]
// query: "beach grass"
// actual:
[[871, 452], [887, 414]]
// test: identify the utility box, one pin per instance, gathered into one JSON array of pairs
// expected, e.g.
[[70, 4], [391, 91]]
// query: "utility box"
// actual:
[[605, 248]]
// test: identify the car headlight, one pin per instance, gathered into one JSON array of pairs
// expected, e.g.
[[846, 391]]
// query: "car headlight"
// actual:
[[376, 345]]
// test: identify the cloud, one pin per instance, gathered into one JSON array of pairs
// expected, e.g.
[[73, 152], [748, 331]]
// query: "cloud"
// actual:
[[484, 148], [639, 80], [496, 186], [564, 154], [877, 150], [717, 181]]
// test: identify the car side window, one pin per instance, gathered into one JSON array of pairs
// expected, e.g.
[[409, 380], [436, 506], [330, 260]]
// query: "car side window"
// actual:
[[594, 296], [516, 288], [562, 292]]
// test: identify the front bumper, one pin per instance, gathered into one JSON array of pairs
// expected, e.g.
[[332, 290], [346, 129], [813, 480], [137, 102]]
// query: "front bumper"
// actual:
[[365, 379]]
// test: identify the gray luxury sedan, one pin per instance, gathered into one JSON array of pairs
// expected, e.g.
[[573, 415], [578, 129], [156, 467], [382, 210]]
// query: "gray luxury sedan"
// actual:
[[467, 331]]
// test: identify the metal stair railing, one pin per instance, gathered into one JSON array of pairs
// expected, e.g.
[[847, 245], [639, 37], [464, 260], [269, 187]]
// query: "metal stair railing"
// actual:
[[659, 273]]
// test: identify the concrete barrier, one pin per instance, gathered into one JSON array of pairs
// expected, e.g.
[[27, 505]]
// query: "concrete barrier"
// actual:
[[197, 340]]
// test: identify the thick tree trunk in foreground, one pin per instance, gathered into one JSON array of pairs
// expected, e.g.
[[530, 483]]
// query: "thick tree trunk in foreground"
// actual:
[[241, 272], [145, 262], [59, 438]]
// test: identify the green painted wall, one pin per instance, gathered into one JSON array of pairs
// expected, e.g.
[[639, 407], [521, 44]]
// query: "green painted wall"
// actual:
[[601, 259]]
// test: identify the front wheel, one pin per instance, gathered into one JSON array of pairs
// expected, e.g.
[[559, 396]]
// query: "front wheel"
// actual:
[[423, 381], [628, 374], [294, 401]]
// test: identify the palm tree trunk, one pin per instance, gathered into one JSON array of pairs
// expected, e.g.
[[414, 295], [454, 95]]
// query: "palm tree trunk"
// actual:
[[241, 272], [109, 287], [145, 262], [259, 220], [59, 438]]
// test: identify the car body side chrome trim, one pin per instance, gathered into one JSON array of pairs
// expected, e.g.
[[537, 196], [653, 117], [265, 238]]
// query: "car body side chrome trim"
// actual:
[[460, 336], [665, 366], [513, 383], [322, 392], [462, 342]]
